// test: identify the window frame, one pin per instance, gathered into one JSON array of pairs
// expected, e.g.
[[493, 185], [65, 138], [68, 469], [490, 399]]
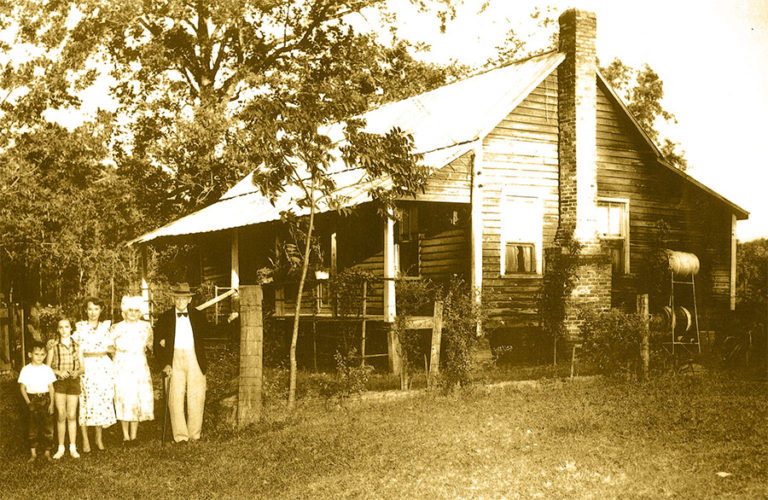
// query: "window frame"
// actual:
[[509, 197], [604, 202], [533, 254], [410, 235]]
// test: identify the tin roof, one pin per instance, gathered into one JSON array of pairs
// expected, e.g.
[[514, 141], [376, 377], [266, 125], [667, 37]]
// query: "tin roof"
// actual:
[[444, 124]]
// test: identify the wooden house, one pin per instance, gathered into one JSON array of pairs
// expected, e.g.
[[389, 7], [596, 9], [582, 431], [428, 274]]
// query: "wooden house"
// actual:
[[520, 155]]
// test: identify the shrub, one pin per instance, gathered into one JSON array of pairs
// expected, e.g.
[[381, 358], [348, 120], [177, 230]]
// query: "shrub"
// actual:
[[559, 281], [44, 321], [347, 289], [353, 377], [459, 336], [414, 298], [460, 316], [611, 341], [741, 343]]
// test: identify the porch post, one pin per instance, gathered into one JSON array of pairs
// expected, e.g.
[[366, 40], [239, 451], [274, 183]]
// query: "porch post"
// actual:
[[389, 271], [333, 254], [734, 244], [477, 225], [234, 280], [147, 313], [393, 343]]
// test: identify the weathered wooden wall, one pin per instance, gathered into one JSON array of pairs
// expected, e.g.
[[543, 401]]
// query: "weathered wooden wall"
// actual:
[[519, 158], [698, 223], [452, 183]]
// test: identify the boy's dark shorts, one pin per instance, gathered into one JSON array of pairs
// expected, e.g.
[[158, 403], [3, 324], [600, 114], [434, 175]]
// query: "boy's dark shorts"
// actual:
[[67, 386]]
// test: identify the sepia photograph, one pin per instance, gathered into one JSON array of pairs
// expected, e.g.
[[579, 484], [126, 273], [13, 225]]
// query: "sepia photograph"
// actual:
[[383, 249]]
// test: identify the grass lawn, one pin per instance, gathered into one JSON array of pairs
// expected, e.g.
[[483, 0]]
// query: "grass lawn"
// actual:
[[684, 437]]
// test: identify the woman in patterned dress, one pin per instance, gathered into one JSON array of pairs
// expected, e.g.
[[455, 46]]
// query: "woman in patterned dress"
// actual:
[[98, 381], [134, 396]]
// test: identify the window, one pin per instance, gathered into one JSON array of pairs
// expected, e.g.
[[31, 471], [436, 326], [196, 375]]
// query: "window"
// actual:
[[407, 242], [407, 228], [519, 258], [521, 235], [613, 226]]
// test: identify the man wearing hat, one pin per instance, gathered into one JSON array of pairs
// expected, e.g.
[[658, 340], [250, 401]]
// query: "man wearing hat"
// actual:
[[180, 351]]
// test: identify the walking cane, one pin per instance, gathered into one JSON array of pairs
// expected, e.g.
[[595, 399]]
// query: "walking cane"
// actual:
[[166, 382]]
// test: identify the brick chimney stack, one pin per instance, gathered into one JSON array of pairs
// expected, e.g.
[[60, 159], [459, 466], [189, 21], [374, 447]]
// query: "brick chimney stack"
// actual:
[[576, 108]]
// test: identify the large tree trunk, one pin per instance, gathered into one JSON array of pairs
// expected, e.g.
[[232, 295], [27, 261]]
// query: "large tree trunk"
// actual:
[[297, 313]]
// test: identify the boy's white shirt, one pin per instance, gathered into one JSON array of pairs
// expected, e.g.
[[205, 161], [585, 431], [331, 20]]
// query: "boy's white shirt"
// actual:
[[36, 378]]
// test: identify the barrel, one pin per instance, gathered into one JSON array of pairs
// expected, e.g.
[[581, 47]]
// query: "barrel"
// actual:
[[683, 264]]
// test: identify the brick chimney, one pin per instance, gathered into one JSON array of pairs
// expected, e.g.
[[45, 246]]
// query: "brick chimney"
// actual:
[[577, 100], [576, 108]]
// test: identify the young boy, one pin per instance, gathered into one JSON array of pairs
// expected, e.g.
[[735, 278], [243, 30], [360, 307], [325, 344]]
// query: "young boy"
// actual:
[[36, 384]]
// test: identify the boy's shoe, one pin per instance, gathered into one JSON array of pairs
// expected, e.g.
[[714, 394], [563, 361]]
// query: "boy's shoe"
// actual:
[[31, 459], [73, 451], [59, 453], [47, 455]]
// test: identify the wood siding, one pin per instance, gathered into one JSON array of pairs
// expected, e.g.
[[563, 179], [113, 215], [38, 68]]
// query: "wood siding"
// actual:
[[519, 158], [452, 183], [698, 223], [445, 254]]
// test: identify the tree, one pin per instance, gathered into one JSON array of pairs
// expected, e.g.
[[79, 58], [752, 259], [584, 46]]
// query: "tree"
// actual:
[[208, 90], [63, 215], [752, 272], [642, 91], [184, 72], [296, 124]]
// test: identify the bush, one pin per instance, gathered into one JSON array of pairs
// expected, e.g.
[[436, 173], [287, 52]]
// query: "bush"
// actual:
[[742, 341], [611, 341], [414, 298], [460, 316], [352, 376], [459, 337], [559, 281]]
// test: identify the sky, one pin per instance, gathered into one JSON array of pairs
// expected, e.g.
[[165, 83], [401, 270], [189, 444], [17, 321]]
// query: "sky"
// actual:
[[712, 56]]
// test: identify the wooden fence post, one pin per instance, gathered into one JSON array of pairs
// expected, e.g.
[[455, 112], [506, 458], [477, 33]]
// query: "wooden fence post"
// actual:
[[394, 350], [437, 334], [251, 348], [642, 310]]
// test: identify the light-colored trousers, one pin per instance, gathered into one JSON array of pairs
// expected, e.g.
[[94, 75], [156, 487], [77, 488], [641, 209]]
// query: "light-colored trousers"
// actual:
[[186, 379]]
